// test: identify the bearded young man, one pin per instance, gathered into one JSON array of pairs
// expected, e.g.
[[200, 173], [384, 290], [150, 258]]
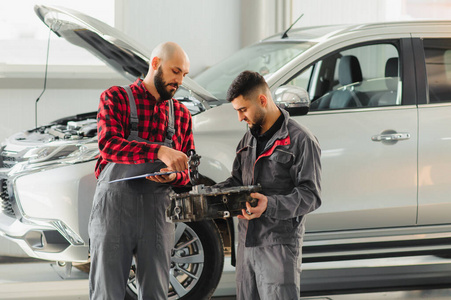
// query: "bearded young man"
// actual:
[[284, 158], [141, 130]]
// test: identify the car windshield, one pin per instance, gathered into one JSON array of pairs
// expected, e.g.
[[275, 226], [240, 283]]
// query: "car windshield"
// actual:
[[265, 57]]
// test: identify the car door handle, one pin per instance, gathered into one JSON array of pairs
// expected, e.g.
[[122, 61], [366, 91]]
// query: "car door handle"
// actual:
[[397, 136]]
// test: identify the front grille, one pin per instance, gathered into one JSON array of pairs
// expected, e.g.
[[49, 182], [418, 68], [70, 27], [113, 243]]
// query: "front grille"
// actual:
[[7, 160], [5, 201]]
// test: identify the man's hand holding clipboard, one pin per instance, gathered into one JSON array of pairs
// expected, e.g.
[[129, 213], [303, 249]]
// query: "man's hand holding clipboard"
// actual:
[[164, 176]]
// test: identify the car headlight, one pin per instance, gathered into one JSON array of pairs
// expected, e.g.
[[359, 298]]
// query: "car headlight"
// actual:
[[39, 157], [49, 153], [70, 153]]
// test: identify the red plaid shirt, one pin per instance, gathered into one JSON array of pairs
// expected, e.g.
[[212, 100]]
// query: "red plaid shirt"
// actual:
[[113, 127]]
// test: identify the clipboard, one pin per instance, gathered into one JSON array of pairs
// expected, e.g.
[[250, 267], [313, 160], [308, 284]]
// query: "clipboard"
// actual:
[[143, 176]]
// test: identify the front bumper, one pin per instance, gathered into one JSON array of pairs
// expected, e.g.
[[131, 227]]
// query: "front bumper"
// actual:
[[51, 210], [41, 242]]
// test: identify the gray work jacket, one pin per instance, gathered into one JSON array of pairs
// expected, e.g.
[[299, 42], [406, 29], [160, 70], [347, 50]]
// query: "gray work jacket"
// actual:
[[289, 171]]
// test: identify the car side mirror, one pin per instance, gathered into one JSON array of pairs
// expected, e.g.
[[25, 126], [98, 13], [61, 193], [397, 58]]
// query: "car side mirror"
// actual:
[[292, 98]]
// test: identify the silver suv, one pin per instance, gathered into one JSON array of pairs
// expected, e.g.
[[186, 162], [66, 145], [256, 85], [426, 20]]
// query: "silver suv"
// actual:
[[380, 105]]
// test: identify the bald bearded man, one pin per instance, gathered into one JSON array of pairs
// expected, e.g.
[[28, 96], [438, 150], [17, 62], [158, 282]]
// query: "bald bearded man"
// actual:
[[141, 129]]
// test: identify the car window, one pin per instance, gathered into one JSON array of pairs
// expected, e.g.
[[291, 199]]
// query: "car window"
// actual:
[[363, 76], [265, 58], [438, 68]]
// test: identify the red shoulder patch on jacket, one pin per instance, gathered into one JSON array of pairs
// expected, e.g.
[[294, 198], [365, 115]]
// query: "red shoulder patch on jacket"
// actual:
[[283, 142]]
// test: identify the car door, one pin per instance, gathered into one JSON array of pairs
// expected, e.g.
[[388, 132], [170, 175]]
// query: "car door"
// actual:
[[365, 119], [434, 158]]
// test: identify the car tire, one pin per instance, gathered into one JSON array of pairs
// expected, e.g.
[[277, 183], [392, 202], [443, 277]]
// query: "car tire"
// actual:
[[196, 238]]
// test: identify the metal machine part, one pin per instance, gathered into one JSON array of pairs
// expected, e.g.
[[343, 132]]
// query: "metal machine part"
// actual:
[[205, 202], [193, 163]]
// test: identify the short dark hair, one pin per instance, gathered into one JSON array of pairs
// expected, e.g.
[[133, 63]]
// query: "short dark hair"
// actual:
[[245, 84]]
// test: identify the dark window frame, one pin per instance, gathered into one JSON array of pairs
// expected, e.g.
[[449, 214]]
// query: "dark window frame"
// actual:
[[406, 57], [418, 45]]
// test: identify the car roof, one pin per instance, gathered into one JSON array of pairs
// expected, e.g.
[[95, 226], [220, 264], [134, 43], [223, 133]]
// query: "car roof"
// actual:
[[317, 33]]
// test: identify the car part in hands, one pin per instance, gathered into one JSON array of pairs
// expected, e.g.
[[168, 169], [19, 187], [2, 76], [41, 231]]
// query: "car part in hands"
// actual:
[[193, 163], [205, 202]]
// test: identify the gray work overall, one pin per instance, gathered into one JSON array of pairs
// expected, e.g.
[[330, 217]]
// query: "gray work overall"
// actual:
[[128, 219]]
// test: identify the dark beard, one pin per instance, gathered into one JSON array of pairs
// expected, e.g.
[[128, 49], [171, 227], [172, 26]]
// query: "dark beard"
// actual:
[[256, 127], [160, 85]]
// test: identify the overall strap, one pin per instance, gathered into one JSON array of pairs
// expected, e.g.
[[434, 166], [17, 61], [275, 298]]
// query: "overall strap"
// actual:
[[170, 130], [133, 113]]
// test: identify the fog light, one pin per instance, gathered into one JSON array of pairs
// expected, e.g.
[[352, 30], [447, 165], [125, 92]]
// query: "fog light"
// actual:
[[68, 233]]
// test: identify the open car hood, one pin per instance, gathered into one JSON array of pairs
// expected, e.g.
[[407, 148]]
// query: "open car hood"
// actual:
[[110, 45]]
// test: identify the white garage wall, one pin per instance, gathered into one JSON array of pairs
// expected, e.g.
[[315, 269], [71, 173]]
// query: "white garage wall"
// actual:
[[327, 12], [208, 30], [55, 104], [275, 16], [73, 91]]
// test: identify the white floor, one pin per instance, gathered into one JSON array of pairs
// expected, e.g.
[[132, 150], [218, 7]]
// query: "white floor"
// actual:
[[45, 281], [48, 281], [47, 290], [41, 280]]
